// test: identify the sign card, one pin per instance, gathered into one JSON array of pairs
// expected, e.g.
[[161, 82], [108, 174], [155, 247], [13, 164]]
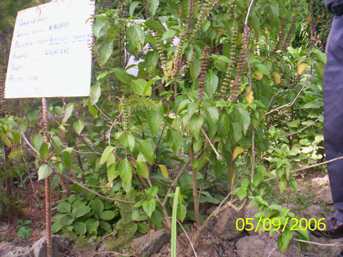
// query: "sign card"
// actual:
[[51, 51]]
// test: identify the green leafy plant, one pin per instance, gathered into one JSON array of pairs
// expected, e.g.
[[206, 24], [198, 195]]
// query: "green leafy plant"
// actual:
[[24, 230], [84, 217], [205, 97]]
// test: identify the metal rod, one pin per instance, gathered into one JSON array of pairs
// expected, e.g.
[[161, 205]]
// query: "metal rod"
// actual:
[[47, 183]]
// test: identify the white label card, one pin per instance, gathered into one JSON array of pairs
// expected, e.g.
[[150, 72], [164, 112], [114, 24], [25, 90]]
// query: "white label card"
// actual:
[[50, 53]]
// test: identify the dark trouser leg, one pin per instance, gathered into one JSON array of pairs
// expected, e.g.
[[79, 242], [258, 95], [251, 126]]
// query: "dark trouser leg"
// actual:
[[333, 112]]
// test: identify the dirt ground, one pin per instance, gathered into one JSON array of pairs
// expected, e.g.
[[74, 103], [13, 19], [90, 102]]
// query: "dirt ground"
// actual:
[[219, 238]]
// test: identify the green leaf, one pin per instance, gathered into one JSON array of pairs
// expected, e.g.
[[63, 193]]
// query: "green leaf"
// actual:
[[107, 215], [106, 226], [56, 227], [195, 69], [125, 170], [80, 210], [78, 126], [303, 234], [259, 175], [168, 34], [67, 158], [148, 151], [153, 6], [106, 155], [66, 220], [64, 207], [37, 141], [112, 173], [92, 226], [195, 125], [133, 7], [135, 39], [68, 112], [44, 171], [213, 113], [141, 87], [155, 120], [80, 228], [220, 62], [164, 170], [212, 81], [138, 215], [122, 76], [95, 94], [142, 169], [127, 140], [149, 207], [44, 151], [97, 206], [100, 24], [181, 212], [284, 240], [243, 190], [245, 118], [105, 51], [151, 192]]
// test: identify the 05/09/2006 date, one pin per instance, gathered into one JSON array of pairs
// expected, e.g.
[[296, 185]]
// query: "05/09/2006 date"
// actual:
[[280, 224]]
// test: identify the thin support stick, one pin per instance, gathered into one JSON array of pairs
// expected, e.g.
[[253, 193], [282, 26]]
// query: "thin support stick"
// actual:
[[47, 184]]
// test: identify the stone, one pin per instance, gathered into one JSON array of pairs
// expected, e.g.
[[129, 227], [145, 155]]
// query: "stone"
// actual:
[[225, 224], [322, 189], [257, 245], [10, 250], [60, 246], [149, 244]]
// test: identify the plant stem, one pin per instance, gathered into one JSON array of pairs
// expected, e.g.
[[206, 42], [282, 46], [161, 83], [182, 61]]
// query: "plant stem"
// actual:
[[231, 176], [195, 188], [174, 220]]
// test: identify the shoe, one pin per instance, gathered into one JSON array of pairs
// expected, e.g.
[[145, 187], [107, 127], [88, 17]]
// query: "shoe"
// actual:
[[340, 255], [334, 230]]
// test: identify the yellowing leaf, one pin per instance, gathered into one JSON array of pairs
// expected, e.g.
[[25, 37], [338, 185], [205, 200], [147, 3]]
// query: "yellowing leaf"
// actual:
[[309, 19], [250, 96], [258, 75], [301, 68], [164, 170], [277, 78], [237, 152]]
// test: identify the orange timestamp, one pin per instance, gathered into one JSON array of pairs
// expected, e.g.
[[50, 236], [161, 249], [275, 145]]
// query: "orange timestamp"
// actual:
[[280, 224]]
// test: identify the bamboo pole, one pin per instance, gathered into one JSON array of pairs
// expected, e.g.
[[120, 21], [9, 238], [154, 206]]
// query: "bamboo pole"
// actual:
[[47, 191]]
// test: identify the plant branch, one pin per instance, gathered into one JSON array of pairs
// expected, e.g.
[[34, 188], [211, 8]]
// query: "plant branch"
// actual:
[[176, 179], [249, 12], [218, 156], [93, 191], [287, 105], [188, 238], [29, 144], [319, 164]]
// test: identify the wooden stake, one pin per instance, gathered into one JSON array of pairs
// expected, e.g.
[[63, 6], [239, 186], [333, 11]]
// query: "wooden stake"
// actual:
[[47, 184]]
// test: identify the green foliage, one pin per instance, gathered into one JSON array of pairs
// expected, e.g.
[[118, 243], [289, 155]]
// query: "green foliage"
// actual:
[[206, 109], [82, 217], [24, 230]]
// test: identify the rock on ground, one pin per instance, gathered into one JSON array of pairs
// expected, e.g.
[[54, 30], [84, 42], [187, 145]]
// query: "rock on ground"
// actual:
[[60, 246], [225, 224], [10, 250], [253, 246], [150, 243]]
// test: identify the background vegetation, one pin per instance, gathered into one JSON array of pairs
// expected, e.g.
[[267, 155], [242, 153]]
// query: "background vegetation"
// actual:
[[224, 103]]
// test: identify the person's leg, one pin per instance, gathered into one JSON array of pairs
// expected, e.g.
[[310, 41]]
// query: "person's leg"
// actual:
[[333, 112]]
